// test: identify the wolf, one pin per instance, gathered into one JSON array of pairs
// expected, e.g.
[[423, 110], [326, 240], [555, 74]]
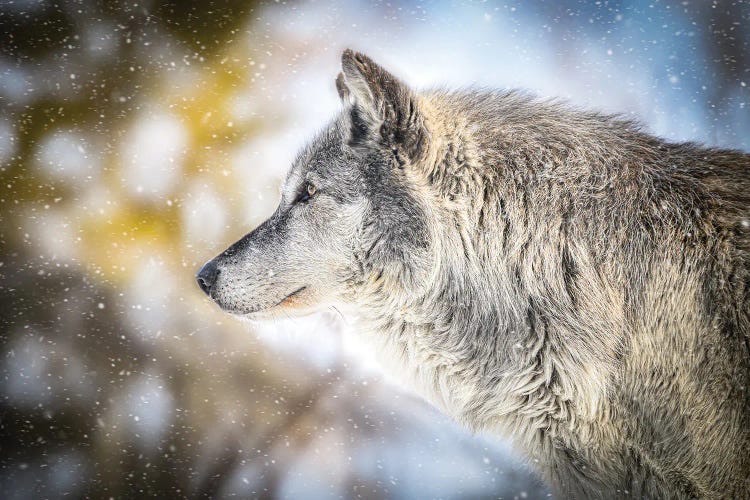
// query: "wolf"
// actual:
[[553, 275]]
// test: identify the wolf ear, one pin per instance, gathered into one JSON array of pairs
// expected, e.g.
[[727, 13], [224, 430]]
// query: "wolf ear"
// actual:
[[341, 88], [382, 108]]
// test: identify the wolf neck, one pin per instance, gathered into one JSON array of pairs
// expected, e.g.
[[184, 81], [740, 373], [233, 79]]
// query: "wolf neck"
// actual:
[[497, 337], [492, 366]]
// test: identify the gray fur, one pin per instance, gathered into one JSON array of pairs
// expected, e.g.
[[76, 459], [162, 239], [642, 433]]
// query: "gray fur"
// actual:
[[556, 276]]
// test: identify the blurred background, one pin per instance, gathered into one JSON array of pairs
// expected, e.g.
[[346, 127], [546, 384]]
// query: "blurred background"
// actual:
[[140, 138]]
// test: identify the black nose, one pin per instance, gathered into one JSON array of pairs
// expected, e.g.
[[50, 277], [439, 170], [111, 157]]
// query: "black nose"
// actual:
[[207, 276]]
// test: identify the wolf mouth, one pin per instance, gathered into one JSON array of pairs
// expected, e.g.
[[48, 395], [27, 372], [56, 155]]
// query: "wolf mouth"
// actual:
[[262, 308], [294, 293]]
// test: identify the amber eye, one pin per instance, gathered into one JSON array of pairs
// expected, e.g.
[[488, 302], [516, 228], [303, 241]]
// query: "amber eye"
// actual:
[[307, 192]]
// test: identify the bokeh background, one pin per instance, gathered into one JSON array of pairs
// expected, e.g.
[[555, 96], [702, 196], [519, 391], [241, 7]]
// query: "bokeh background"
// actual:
[[139, 138]]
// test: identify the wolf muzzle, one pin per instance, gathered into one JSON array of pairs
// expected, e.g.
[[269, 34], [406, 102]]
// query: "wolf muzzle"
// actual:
[[207, 275]]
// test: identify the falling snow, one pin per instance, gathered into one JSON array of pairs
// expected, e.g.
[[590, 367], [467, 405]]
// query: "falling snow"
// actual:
[[139, 138]]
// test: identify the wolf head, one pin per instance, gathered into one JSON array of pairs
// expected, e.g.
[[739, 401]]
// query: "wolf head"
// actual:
[[350, 214]]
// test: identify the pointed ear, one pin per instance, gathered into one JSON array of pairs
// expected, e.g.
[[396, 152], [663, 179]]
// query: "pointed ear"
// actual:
[[341, 88], [383, 109]]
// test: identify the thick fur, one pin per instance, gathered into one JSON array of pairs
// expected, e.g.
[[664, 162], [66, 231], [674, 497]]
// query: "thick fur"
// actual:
[[556, 276]]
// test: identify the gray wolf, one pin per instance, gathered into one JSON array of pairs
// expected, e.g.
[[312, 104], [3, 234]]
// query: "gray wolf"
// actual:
[[557, 276]]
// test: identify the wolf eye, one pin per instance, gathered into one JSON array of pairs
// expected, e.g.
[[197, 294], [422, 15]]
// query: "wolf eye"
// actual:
[[307, 192]]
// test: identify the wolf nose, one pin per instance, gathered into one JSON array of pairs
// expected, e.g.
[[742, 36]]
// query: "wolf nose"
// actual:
[[207, 276]]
